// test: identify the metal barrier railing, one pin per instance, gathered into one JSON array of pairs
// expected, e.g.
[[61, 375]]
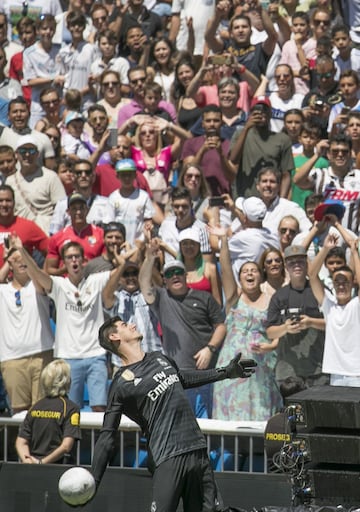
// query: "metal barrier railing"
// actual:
[[232, 446]]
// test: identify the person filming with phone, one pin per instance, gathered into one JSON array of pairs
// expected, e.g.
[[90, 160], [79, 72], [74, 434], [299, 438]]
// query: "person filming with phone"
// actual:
[[294, 317], [211, 152]]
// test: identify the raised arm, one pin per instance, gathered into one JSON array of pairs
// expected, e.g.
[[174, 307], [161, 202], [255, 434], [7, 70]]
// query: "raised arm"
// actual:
[[40, 278], [317, 285], [354, 246], [145, 275], [227, 276], [301, 177], [108, 293], [221, 11], [272, 37]]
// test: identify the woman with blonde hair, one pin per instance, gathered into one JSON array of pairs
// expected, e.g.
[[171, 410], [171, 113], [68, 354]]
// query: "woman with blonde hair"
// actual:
[[52, 425], [151, 158]]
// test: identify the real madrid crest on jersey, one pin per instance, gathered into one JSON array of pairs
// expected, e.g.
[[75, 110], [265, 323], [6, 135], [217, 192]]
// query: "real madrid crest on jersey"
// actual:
[[128, 375]]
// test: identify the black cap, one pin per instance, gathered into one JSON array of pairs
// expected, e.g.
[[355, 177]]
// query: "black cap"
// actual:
[[114, 226]]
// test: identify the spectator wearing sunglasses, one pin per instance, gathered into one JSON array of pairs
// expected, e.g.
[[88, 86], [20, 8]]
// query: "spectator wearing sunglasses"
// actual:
[[122, 296], [137, 82], [317, 103], [38, 189], [192, 322]]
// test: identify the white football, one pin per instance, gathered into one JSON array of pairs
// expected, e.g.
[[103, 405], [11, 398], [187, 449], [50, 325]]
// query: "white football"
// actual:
[[77, 486]]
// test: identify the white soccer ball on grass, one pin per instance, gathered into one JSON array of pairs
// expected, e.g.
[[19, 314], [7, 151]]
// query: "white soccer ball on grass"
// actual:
[[77, 486]]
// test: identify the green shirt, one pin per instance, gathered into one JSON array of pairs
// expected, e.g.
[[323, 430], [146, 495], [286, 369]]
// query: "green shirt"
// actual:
[[298, 195]]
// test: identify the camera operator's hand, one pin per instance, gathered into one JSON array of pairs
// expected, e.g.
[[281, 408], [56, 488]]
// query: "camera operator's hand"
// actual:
[[238, 368]]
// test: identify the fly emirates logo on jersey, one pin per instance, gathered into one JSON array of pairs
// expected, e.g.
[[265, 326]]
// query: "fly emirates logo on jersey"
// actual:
[[163, 382]]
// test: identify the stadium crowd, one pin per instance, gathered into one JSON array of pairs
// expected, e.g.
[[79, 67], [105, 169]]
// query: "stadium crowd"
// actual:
[[192, 166]]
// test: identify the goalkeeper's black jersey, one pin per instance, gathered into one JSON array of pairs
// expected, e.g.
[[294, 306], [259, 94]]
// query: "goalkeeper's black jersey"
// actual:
[[150, 392]]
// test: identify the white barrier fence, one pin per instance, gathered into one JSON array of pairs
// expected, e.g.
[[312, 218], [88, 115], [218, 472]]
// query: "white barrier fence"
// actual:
[[232, 445]]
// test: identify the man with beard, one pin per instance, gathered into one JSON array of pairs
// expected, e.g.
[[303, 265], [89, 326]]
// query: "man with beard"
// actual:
[[115, 242]]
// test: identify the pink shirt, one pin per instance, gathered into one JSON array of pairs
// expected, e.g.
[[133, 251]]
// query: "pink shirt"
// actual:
[[208, 94], [289, 56], [162, 160]]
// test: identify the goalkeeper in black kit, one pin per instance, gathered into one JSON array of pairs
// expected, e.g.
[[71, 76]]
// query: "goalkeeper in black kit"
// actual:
[[149, 389]]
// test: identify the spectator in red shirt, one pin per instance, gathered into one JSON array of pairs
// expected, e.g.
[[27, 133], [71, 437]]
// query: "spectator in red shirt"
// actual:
[[89, 236], [106, 178], [28, 231]]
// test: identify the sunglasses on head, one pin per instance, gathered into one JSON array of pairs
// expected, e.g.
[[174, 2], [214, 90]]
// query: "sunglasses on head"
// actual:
[[174, 272]]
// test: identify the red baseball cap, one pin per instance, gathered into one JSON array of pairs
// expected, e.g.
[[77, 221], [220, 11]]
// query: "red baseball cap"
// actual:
[[260, 100], [330, 206]]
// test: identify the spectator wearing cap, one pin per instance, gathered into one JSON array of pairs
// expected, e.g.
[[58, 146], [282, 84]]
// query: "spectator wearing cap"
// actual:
[[122, 296], [89, 236], [72, 143], [38, 189], [133, 206], [106, 177], [250, 242], [19, 115], [268, 182], [211, 152], [183, 218], [100, 209], [256, 146], [326, 217], [192, 322], [294, 318], [115, 242], [200, 274]]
